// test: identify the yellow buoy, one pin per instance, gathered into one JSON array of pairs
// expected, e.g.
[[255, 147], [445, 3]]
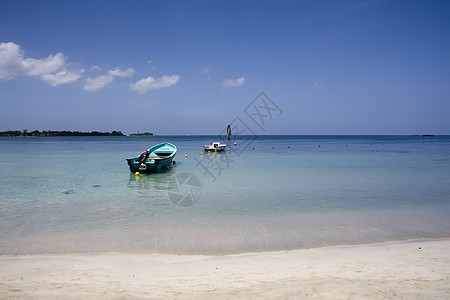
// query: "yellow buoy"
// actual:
[[209, 152], [201, 153], [137, 173], [185, 156]]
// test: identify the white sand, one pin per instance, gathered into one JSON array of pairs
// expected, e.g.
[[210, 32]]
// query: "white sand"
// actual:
[[379, 271]]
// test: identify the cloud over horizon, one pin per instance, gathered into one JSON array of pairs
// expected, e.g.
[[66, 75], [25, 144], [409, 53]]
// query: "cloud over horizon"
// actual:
[[62, 77], [51, 69], [229, 83], [117, 72], [150, 83], [99, 82], [54, 70]]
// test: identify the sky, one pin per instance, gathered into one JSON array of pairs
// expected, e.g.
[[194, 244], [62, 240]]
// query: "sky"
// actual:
[[193, 67]]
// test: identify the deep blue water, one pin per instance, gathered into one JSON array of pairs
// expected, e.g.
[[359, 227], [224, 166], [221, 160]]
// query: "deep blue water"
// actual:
[[76, 194]]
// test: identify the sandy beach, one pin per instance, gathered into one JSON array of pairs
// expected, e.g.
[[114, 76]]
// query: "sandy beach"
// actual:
[[409, 270]]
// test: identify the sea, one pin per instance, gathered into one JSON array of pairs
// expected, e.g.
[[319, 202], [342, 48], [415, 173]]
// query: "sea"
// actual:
[[264, 193]]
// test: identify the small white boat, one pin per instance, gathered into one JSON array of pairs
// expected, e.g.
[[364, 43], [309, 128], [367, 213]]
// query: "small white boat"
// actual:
[[216, 146]]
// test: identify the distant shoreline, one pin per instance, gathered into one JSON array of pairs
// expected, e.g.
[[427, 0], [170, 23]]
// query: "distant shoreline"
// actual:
[[65, 133], [142, 134], [25, 133]]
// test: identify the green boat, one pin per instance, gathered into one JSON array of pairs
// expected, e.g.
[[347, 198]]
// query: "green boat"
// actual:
[[154, 159]]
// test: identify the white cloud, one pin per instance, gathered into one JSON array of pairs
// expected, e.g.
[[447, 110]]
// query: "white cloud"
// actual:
[[37, 67], [151, 83], [97, 83], [233, 82], [13, 63], [62, 77], [51, 69], [117, 72], [316, 85], [10, 60], [54, 70], [96, 68]]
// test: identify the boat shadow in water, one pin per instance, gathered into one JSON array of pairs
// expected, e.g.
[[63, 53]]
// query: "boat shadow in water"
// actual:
[[151, 186], [152, 181]]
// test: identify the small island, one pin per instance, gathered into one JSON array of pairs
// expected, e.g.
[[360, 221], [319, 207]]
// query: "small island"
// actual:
[[18, 133], [141, 134]]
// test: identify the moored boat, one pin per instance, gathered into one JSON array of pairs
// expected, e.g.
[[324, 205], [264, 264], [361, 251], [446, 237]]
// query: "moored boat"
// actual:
[[216, 146], [154, 159]]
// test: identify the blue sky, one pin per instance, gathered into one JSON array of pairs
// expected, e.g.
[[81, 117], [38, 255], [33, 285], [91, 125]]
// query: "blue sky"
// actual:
[[191, 67]]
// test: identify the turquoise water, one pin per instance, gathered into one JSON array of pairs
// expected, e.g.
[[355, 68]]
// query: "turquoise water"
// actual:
[[76, 194]]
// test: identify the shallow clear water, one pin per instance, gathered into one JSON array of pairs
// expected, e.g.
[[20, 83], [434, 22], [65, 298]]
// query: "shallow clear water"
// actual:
[[76, 194]]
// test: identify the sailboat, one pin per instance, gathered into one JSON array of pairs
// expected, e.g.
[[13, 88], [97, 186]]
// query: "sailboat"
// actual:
[[228, 132]]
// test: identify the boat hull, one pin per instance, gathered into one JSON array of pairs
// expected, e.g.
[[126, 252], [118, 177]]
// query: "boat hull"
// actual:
[[150, 166]]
